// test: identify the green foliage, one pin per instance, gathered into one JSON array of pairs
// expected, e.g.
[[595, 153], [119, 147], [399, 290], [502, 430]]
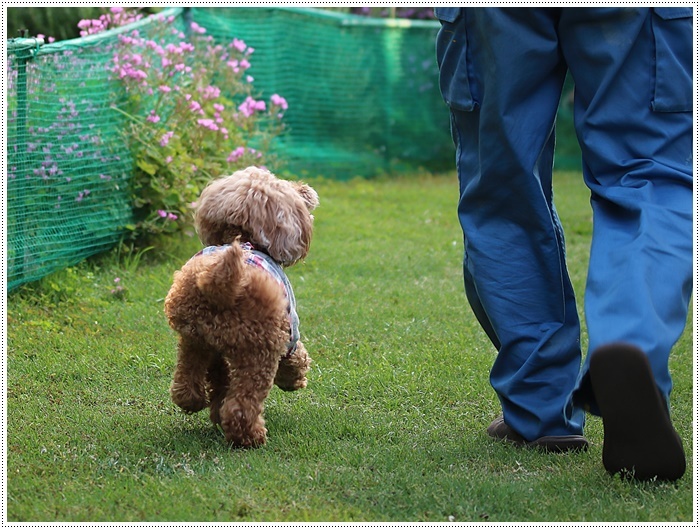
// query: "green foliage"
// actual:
[[390, 429], [60, 23]]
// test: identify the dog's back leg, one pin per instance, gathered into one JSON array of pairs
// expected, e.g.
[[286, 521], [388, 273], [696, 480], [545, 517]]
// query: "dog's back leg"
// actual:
[[189, 387], [219, 376], [249, 385]]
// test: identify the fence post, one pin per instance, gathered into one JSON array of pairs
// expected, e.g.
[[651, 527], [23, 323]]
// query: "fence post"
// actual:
[[24, 50]]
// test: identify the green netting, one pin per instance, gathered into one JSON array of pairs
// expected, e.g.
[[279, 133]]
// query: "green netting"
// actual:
[[68, 167], [362, 93]]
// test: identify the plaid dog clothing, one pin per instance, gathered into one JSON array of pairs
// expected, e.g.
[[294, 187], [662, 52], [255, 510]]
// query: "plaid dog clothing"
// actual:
[[263, 261]]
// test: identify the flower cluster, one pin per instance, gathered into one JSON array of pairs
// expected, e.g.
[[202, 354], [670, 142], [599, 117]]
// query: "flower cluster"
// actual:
[[192, 114], [117, 16], [119, 291]]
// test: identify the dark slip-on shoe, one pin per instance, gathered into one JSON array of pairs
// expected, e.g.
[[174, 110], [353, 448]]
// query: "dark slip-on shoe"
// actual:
[[498, 429], [639, 440]]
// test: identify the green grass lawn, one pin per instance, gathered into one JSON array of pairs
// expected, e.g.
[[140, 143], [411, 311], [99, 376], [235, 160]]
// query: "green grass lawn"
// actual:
[[390, 428]]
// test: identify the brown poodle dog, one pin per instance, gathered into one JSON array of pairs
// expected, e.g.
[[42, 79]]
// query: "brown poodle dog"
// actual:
[[232, 305]]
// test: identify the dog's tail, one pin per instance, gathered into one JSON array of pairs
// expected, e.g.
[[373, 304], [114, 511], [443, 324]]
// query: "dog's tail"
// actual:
[[222, 282]]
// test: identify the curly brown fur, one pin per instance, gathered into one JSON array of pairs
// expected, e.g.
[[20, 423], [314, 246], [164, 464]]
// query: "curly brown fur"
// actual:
[[270, 213], [231, 317], [291, 373]]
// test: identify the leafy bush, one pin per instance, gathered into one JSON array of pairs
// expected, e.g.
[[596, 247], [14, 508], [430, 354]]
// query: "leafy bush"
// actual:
[[192, 114]]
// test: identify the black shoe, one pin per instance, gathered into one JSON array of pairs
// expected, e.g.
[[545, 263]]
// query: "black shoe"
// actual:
[[640, 441], [498, 429]]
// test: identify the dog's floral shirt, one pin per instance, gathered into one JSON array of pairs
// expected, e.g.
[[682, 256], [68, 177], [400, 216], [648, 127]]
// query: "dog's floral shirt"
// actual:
[[254, 257]]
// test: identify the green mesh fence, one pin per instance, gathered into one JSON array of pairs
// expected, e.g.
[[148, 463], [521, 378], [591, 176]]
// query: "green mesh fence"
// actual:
[[68, 168], [362, 93]]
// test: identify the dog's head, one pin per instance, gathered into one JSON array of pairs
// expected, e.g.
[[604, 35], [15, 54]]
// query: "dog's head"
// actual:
[[274, 215]]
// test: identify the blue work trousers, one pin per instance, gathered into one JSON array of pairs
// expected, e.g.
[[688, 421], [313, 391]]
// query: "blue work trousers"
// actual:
[[501, 73]]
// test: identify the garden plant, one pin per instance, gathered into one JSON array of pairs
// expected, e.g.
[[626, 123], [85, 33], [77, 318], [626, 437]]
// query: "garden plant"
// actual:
[[192, 113]]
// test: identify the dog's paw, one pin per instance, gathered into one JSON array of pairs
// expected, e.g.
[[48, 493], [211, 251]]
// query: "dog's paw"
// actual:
[[291, 372], [188, 400], [290, 384], [254, 439], [242, 430]]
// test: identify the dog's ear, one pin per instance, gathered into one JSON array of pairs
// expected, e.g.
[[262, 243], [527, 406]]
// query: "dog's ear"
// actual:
[[308, 195]]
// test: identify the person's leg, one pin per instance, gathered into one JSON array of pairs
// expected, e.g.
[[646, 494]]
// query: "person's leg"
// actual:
[[637, 163], [632, 69], [501, 72]]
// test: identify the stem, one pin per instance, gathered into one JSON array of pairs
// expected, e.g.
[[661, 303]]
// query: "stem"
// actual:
[[131, 117]]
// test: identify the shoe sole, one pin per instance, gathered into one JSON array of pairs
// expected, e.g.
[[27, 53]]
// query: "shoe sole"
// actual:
[[560, 444], [639, 440], [500, 431]]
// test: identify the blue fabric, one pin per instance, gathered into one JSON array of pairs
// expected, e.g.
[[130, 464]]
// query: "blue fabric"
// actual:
[[501, 73]]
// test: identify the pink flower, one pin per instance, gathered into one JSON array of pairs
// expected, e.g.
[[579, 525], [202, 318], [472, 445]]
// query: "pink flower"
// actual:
[[166, 215], [153, 117], [211, 92], [208, 124], [197, 28], [165, 139], [129, 71], [90, 27], [239, 45], [49, 39], [250, 105], [250, 78], [279, 101], [235, 154], [195, 107], [164, 88]]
